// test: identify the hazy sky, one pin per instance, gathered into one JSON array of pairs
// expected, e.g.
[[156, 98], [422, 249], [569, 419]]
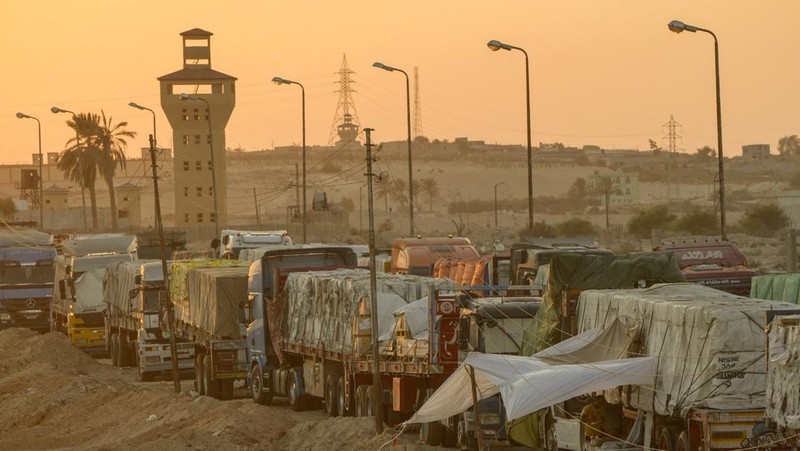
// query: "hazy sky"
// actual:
[[602, 72]]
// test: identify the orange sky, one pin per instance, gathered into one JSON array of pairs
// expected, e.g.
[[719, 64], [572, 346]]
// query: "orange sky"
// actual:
[[602, 72]]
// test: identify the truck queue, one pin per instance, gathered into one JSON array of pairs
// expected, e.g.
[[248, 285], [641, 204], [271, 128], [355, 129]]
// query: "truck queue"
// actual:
[[467, 344]]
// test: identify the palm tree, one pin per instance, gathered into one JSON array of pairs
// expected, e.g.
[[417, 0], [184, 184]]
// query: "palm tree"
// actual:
[[382, 189], [429, 187], [111, 143], [607, 185], [79, 159], [397, 190]]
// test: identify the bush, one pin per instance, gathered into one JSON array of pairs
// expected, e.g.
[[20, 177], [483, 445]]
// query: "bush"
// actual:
[[575, 227], [646, 220], [764, 220], [7, 207], [697, 222]]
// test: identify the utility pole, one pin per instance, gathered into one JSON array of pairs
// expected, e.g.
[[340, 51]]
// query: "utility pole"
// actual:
[[373, 295], [297, 185], [170, 312], [255, 201]]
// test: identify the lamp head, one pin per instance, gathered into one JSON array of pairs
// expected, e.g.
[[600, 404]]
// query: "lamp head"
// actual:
[[56, 109], [22, 115], [185, 96], [496, 45], [383, 66], [136, 105], [278, 81], [677, 26]]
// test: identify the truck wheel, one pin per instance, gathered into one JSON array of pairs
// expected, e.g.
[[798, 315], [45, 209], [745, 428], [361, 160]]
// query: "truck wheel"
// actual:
[[345, 407], [199, 375], [293, 391], [666, 441], [212, 386], [258, 390], [682, 444], [114, 351], [124, 351], [226, 389], [361, 393], [331, 395]]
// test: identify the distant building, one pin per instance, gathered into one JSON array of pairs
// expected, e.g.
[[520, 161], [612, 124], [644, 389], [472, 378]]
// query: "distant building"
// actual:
[[755, 151], [163, 153], [626, 187]]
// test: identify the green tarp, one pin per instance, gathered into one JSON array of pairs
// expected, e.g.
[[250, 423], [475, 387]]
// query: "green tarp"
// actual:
[[776, 287], [584, 272]]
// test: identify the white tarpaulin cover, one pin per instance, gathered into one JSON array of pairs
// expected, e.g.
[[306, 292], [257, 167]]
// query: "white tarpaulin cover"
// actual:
[[493, 371], [89, 292], [710, 345], [120, 279], [320, 306], [544, 387], [783, 374]]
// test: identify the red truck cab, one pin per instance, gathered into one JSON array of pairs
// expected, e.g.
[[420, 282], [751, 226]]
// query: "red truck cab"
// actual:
[[717, 264]]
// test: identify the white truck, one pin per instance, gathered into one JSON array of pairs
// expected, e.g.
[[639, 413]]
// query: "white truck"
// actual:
[[77, 304], [210, 306], [233, 242], [134, 320]]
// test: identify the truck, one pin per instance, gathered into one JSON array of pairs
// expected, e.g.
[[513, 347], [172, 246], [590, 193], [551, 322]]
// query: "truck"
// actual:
[[232, 242], [134, 293], [714, 263], [210, 299], [528, 256], [709, 388], [310, 336], [77, 305], [417, 256], [782, 414], [26, 279]]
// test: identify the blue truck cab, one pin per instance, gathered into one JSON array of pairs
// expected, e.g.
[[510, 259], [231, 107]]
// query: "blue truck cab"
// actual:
[[26, 287], [269, 370]]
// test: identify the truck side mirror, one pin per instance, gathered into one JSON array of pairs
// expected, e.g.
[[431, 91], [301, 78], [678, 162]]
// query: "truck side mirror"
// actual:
[[62, 289], [68, 269], [226, 239], [133, 293], [137, 279], [463, 333]]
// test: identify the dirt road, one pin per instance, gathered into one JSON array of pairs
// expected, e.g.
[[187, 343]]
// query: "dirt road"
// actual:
[[53, 396]]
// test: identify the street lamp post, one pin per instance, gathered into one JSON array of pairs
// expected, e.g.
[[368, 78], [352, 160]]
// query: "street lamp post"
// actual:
[[283, 81], [495, 45], [408, 139], [56, 109], [495, 201], [156, 214], [185, 96], [677, 26], [41, 201]]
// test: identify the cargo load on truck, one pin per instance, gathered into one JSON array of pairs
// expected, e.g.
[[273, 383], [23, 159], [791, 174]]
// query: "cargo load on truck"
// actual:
[[209, 299], [783, 382], [134, 293], [77, 306], [777, 287]]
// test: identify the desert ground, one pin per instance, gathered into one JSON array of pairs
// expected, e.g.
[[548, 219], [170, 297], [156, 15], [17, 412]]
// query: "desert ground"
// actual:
[[53, 396]]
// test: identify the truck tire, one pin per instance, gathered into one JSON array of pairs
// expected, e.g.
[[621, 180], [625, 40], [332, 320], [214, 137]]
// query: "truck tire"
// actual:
[[331, 395], [199, 375], [344, 404], [666, 440], [682, 443], [213, 388], [293, 391], [114, 352], [259, 390], [361, 393], [124, 351]]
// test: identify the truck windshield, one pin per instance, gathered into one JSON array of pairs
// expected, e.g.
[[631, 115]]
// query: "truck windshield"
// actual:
[[151, 303], [14, 273]]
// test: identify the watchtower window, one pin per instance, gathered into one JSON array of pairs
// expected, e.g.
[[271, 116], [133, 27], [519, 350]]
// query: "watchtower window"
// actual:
[[185, 139], [186, 218], [199, 218], [198, 165], [196, 114], [199, 190], [185, 165], [184, 115], [197, 139]]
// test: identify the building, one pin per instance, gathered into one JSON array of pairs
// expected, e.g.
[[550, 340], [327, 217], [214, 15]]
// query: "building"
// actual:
[[198, 101], [755, 151], [625, 188]]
